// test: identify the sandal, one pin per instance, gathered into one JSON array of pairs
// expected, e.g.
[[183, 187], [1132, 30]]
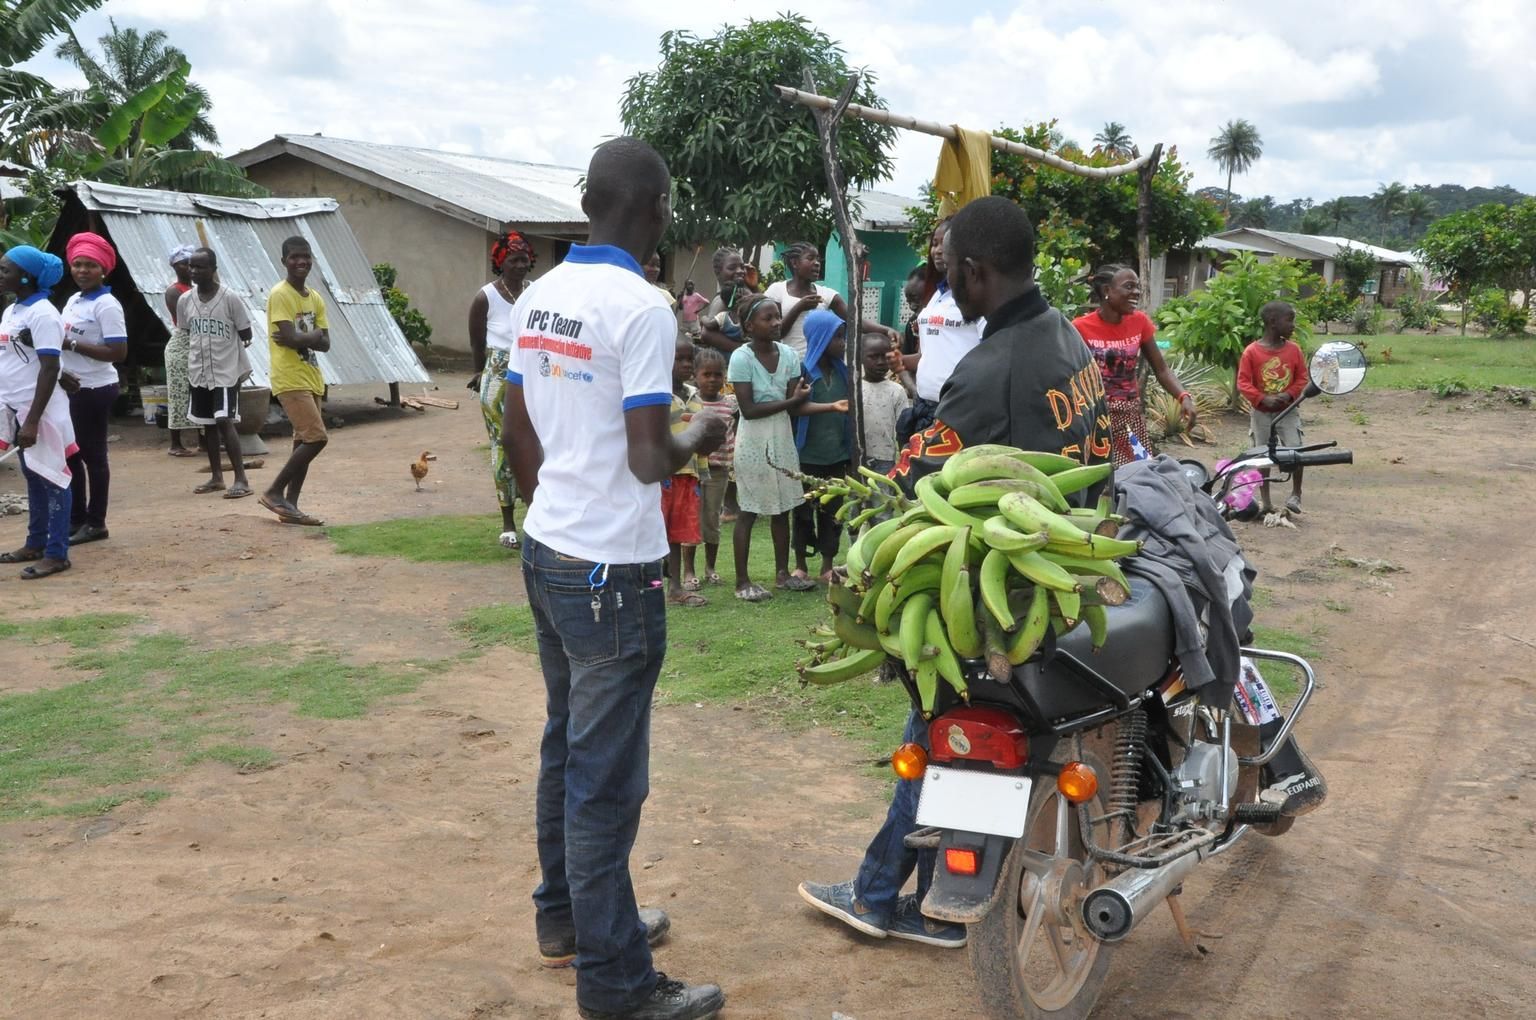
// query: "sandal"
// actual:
[[508, 540], [712, 578], [207, 487], [33, 573], [690, 584], [754, 593], [688, 598], [22, 555], [238, 491], [182, 452], [796, 582], [1293, 504]]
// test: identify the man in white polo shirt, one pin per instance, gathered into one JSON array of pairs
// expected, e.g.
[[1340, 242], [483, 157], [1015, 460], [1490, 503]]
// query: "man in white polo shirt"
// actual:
[[590, 378], [944, 337]]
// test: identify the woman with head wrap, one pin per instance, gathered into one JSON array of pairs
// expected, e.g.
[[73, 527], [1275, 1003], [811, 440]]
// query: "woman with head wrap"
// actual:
[[32, 416], [490, 341], [95, 340], [823, 437], [178, 394]]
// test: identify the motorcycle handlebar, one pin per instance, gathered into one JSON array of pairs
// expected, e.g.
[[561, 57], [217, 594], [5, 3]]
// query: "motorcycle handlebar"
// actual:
[[1301, 458]]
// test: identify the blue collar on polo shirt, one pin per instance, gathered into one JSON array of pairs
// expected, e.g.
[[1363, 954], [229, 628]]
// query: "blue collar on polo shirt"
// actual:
[[604, 255], [92, 295], [34, 299]]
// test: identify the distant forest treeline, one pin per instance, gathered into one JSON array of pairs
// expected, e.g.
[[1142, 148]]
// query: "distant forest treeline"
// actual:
[[1396, 216]]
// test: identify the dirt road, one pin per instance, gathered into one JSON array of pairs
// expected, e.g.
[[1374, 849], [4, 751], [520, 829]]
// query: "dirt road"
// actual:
[[383, 869]]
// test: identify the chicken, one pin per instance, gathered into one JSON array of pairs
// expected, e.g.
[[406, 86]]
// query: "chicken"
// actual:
[[419, 467], [1386, 355]]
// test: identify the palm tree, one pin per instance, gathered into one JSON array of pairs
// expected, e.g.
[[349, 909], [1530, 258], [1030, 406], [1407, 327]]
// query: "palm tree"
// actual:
[[1337, 210], [1417, 210], [1388, 201], [25, 29], [1114, 140], [131, 61], [1235, 148]]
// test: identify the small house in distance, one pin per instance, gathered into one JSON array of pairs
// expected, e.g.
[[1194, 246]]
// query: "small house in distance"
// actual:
[[1392, 267], [432, 215]]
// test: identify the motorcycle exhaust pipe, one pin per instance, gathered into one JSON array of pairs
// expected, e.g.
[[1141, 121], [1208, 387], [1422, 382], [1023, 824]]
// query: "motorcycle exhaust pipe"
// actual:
[[1117, 906]]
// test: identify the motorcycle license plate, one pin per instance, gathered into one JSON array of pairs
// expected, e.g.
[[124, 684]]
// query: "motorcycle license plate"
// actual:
[[972, 801]]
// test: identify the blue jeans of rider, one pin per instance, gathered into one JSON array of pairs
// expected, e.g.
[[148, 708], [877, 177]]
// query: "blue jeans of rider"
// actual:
[[601, 644], [887, 862], [48, 514]]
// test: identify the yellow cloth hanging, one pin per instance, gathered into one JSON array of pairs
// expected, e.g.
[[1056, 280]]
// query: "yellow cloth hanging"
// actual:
[[965, 170]]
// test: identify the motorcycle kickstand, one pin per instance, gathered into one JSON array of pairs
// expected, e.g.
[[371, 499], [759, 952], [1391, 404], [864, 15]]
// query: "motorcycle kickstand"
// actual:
[[1190, 936]]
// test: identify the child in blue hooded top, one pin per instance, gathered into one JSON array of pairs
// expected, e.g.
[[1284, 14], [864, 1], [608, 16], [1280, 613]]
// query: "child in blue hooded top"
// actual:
[[823, 436]]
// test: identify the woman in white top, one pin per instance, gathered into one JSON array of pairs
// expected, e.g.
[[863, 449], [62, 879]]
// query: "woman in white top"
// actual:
[[95, 340], [490, 341], [800, 294]]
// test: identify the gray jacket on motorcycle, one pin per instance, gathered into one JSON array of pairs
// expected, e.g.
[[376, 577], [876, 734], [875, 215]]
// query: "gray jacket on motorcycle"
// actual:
[[1193, 559]]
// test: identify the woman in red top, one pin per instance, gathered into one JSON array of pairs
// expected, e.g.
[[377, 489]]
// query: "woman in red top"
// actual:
[[1119, 334]]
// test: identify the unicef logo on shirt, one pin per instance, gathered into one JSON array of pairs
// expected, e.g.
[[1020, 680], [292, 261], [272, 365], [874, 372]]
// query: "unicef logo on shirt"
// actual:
[[544, 365]]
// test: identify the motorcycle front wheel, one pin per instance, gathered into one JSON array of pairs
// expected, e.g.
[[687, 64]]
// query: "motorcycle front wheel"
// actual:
[[1032, 956]]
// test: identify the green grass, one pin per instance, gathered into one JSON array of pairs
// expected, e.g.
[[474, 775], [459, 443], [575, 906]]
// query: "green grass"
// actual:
[[88, 631], [159, 703], [1428, 362], [1283, 680], [448, 539]]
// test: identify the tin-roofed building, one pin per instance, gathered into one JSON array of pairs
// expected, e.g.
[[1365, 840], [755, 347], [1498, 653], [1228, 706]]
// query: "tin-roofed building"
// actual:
[[432, 215], [246, 234]]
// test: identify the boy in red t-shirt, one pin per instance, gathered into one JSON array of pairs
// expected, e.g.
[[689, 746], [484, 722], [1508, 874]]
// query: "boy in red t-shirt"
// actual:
[[1271, 376]]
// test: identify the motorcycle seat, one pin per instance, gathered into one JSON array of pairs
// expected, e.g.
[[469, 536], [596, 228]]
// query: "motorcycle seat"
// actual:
[[1135, 657]]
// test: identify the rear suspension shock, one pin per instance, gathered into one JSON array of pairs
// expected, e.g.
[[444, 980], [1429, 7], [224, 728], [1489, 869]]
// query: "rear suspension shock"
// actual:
[[1125, 771]]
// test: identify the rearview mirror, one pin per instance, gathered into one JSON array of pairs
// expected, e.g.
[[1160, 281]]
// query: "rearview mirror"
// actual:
[[1338, 367]]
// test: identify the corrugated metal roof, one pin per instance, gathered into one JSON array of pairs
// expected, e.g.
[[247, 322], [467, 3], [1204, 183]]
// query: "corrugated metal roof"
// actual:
[[1228, 244], [247, 235], [482, 190], [1322, 246], [881, 210]]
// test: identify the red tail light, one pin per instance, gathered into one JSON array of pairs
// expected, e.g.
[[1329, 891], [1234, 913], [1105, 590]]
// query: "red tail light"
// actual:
[[976, 733], [959, 860]]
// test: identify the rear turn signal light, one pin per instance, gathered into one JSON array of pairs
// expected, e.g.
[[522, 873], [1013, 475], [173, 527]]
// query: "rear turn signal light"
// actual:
[[960, 861], [1077, 782], [909, 761]]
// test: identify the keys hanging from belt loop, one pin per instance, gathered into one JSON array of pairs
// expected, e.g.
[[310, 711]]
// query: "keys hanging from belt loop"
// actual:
[[597, 584]]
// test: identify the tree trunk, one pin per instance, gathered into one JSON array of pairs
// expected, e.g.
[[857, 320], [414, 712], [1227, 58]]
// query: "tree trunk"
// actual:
[[1227, 212], [1144, 219]]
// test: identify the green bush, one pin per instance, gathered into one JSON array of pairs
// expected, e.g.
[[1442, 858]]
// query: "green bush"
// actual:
[[1415, 311], [412, 323], [1490, 309], [1062, 284], [1215, 324], [1329, 303], [1368, 317]]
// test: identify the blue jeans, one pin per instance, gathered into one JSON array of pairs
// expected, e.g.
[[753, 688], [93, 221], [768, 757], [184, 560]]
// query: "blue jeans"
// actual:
[[48, 514], [888, 863], [601, 651]]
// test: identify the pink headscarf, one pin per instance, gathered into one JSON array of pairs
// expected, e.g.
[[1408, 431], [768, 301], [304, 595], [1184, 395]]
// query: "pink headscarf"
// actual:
[[94, 247]]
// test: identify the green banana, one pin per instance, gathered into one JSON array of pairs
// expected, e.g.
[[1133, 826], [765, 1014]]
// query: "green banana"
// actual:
[[1043, 572], [871, 599], [842, 599], [1029, 515], [1034, 607], [1095, 547], [863, 517], [840, 670], [914, 619], [919, 579], [946, 659], [855, 634], [993, 583], [1068, 603], [879, 481], [929, 541], [924, 575], [1097, 620], [915, 514], [885, 553], [1118, 589], [927, 492], [1050, 463], [890, 640], [866, 545], [955, 602], [822, 649], [985, 468], [985, 494], [1079, 478], [1061, 625], [926, 677], [996, 642], [997, 534]]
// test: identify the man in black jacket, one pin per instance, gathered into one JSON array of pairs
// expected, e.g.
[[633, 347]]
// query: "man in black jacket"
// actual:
[[1030, 383]]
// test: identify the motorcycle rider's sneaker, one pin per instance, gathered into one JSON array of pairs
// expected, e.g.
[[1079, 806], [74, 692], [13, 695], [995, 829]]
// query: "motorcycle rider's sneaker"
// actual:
[[670, 1000], [561, 952], [1296, 785], [839, 901], [912, 925]]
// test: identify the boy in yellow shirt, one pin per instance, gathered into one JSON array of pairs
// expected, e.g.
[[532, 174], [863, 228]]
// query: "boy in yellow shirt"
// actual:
[[296, 330]]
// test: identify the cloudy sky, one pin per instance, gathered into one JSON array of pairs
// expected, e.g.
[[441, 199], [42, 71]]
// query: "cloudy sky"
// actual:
[[1345, 95]]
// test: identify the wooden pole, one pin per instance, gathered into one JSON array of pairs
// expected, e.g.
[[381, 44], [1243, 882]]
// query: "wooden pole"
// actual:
[[928, 127], [827, 118], [1144, 219]]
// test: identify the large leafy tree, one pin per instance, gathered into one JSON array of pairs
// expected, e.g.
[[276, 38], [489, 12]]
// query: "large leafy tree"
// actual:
[[1337, 211], [1254, 212], [1114, 140], [1490, 246], [131, 61], [1236, 147], [747, 166], [26, 28], [1388, 202]]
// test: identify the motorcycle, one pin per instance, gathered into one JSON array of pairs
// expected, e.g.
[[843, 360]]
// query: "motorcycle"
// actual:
[[1069, 803]]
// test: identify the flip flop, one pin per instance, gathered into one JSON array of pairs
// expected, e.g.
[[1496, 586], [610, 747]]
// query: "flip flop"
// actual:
[[22, 555], [689, 599], [305, 519], [1293, 504], [285, 513], [712, 578], [34, 573], [690, 584], [183, 452], [754, 593], [507, 540], [793, 583], [208, 487], [238, 491]]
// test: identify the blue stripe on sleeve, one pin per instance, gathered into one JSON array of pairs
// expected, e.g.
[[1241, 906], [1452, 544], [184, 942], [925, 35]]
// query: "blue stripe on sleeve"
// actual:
[[647, 400], [114, 339], [515, 378]]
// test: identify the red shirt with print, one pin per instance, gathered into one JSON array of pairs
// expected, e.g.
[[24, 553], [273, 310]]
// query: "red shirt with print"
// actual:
[[1116, 346], [1264, 371]]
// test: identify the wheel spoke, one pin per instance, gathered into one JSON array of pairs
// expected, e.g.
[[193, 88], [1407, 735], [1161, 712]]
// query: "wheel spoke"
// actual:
[[1053, 935], [1031, 926]]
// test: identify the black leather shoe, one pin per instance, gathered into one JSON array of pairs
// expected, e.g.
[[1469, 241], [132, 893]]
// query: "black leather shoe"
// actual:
[[87, 533], [672, 1000], [561, 952]]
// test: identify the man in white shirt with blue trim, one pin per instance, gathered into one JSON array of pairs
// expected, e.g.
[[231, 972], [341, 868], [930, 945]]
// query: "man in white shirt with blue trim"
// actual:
[[590, 377]]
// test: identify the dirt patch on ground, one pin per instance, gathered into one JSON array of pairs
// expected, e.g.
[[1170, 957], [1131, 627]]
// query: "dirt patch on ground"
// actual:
[[383, 867]]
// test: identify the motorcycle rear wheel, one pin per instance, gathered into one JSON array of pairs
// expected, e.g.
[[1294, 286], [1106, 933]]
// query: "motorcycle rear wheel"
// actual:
[[1032, 957]]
